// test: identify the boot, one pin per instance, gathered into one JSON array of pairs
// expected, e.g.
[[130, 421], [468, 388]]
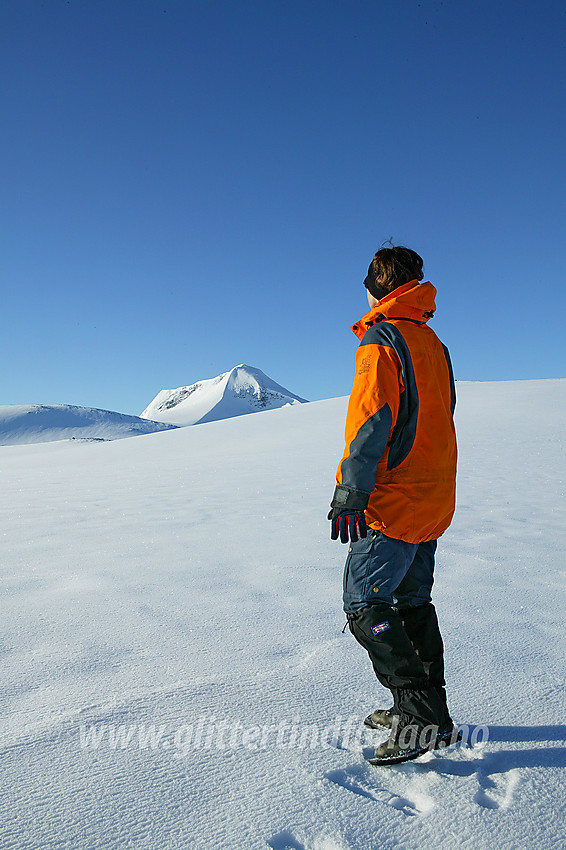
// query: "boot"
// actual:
[[381, 717], [406, 743], [391, 752]]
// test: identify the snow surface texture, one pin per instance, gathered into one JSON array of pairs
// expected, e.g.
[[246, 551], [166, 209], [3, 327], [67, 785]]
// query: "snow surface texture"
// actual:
[[41, 423], [244, 389], [187, 579]]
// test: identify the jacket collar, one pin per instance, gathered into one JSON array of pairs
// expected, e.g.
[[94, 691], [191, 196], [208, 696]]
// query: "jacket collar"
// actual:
[[413, 301]]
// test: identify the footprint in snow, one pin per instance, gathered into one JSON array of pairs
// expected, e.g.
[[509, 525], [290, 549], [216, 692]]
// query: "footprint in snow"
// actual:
[[502, 790], [497, 781], [357, 780], [286, 841]]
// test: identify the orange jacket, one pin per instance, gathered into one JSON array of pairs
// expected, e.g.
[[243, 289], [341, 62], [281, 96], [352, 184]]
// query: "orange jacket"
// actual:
[[400, 437]]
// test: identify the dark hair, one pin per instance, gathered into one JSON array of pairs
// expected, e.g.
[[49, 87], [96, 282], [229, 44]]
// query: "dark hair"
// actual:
[[392, 267]]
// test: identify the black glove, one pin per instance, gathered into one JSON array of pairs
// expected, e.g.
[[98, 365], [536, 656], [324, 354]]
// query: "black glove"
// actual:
[[347, 514], [346, 522]]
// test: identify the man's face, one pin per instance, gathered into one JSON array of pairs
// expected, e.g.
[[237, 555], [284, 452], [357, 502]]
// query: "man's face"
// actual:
[[371, 300]]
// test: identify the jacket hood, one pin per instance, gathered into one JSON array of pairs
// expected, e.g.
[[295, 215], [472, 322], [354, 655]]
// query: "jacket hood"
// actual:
[[413, 301]]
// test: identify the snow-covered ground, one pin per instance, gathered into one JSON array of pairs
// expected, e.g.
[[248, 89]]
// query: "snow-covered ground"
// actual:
[[243, 389], [43, 423], [174, 672]]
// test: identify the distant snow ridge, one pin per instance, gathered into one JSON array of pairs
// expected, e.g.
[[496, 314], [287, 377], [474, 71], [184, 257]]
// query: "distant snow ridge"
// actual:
[[41, 423], [244, 389]]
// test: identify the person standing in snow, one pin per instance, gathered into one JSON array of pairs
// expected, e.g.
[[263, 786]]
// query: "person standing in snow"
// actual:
[[394, 496]]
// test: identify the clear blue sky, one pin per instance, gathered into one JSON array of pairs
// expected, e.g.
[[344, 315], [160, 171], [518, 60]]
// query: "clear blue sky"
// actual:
[[191, 185]]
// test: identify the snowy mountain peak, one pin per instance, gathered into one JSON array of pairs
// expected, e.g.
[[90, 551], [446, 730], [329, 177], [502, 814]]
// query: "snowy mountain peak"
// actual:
[[244, 389]]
